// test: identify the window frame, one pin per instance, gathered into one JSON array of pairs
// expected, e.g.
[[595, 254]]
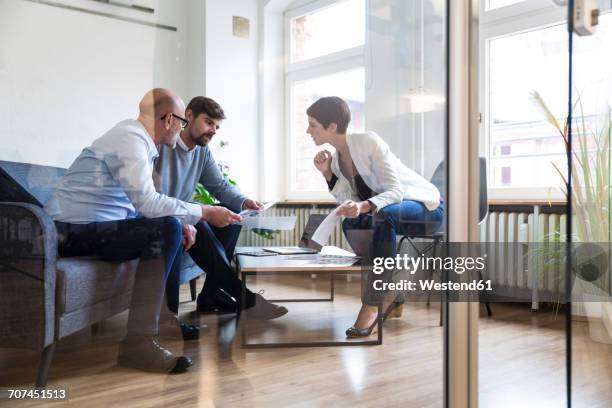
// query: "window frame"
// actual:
[[529, 15], [344, 60]]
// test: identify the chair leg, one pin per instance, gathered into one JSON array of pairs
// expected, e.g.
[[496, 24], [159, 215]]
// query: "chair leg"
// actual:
[[45, 362], [193, 288], [487, 305], [434, 252]]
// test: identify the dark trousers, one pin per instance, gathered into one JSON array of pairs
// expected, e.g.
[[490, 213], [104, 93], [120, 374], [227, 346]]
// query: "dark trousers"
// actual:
[[156, 241], [213, 251], [407, 217]]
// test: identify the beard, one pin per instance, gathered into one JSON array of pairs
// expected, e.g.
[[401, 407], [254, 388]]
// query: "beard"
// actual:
[[203, 139]]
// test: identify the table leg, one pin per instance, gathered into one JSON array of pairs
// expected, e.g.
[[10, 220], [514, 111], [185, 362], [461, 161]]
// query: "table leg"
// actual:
[[243, 300]]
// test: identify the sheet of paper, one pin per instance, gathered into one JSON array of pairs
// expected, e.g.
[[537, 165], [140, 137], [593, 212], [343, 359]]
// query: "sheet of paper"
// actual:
[[270, 223], [322, 234], [253, 213], [336, 252]]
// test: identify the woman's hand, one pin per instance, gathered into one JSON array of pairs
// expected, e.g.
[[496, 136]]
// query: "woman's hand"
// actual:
[[352, 209], [322, 162]]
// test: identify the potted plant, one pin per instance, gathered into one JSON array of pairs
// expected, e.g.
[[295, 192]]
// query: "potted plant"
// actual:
[[201, 195], [591, 199]]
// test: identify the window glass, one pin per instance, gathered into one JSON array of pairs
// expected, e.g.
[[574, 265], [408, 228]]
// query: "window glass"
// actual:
[[524, 147], [325, 31], [349, 85]]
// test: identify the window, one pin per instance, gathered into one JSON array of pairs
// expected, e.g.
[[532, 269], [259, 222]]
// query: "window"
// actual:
[[303, 94], [523, 145], [524, 50], [325, 58], [324, 31]]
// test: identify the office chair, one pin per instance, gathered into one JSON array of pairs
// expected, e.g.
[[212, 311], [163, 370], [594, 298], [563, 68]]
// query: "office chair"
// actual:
[[438, 179]]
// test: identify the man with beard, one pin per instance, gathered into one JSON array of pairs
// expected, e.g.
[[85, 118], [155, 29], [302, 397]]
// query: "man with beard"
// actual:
[[106, 206], [178, 171]]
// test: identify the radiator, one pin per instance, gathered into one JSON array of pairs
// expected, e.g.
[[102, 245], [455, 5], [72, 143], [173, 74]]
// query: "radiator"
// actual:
[[292, 237], [519, 269]]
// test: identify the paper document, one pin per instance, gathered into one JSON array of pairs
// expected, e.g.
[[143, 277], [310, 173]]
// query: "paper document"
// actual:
[[254, 213], [334, 251], [322, 234], [269, 223]]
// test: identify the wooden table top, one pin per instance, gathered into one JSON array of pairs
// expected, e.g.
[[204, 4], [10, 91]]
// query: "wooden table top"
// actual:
[[294, 263]]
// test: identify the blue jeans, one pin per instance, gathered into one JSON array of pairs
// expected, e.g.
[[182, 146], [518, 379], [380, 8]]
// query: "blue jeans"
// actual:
[[407, 217], [212, 252]]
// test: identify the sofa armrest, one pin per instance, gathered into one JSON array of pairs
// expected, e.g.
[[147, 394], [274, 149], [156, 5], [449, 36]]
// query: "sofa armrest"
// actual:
[[28, 253]]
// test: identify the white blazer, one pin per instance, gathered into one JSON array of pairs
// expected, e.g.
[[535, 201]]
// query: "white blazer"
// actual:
[[384, 173]]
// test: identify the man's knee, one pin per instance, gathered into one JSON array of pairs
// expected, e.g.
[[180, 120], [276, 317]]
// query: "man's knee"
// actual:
[[234, 230], [172, 229], [172, 224], [203, 229]]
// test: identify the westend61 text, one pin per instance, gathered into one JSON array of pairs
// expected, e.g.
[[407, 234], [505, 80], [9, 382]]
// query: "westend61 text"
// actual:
[[427, 285], [411, 264]]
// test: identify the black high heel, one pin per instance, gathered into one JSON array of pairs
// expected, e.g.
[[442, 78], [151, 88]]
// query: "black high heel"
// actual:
[[395, 309], [354, 332]]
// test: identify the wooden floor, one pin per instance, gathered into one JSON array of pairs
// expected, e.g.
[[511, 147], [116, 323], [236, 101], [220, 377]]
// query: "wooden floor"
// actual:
[[522, 360]]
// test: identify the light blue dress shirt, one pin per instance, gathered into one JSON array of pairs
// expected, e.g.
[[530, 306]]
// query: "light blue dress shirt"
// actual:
[[112, 180]]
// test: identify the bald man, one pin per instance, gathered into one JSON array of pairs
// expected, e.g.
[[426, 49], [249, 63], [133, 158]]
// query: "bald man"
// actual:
[[106, 205]]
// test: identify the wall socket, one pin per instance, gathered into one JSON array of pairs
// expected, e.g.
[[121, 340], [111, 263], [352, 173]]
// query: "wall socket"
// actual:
[[586, 16]]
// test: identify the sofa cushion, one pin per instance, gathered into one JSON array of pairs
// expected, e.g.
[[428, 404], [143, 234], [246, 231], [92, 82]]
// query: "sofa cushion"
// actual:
[[28, 183], [189, 269], [85, 281]]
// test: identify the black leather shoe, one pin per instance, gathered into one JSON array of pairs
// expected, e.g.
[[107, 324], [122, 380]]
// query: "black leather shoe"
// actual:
[[145, 353], [219, 301], [265, 310], [173, 328]]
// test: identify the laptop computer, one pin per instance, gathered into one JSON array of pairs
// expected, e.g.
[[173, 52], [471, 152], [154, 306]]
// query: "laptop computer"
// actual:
[[306, 244]]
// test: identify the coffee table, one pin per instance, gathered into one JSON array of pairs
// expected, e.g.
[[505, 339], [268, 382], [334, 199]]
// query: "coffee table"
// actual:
[[285, 264]]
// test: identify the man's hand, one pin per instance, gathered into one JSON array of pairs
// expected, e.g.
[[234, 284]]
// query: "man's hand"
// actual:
[[219, 216], [252, 205], [189, 236], [352, 209], [322, 161]]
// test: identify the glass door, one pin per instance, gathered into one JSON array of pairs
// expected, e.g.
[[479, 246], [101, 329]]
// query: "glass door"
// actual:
[[590, 315], [524, 77]]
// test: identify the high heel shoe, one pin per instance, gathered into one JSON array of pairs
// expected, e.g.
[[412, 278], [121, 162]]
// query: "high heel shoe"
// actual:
[[354, 332], [395, 309]]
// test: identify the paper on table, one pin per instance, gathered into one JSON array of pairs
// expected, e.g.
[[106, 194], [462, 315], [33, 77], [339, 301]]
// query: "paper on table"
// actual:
[[253, 213], [322, 234], [269, 223]]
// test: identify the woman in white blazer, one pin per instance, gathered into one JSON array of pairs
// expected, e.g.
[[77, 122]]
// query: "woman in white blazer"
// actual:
[[376, 191]]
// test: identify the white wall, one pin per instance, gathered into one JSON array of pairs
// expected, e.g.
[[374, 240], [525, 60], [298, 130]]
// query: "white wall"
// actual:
[[232, 80], [66, 77], [274, 165]]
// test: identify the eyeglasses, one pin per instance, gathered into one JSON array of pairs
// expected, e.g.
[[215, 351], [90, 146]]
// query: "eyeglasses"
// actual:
[[184, 122]]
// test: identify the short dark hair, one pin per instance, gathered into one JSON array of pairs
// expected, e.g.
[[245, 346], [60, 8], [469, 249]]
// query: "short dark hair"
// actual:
[[202, 104], [331, 109]]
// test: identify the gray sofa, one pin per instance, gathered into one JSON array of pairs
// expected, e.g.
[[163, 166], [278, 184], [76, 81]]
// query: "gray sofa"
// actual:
[[44, 298]]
